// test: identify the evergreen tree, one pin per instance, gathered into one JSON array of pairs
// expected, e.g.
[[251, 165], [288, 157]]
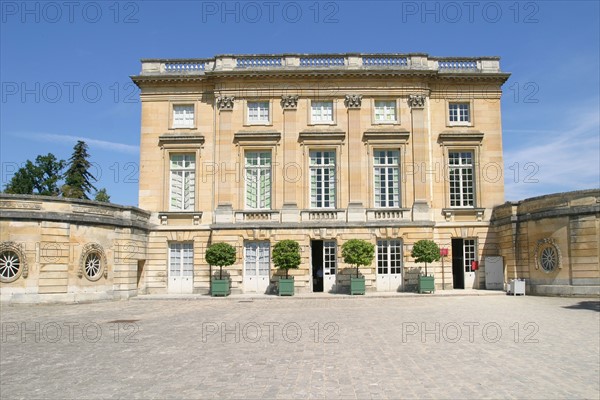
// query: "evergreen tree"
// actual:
[[102, 196], [78, 179], [39, 178]]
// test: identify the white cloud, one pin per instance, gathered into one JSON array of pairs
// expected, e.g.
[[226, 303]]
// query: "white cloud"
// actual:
[[560, 160], [101, 144]]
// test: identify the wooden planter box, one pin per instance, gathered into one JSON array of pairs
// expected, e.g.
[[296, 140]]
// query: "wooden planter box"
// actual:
[[357, 285], [219, 287], [426, 284], [286, 287]]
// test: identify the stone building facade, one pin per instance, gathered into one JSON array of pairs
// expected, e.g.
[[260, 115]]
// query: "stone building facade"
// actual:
[[251, 150]]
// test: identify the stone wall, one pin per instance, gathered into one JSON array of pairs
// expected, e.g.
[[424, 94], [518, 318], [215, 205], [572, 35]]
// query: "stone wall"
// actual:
[[553, 242], [54, 249]]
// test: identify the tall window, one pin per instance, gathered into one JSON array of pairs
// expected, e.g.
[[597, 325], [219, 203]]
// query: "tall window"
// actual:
[[389, 257], [385, 111], [258, 112], [258, 180], [459, 113], [322, 179], [386, 166], [460, 168], [470, 253], [181, 259], [183, 116], [321, 112], [183, 182]]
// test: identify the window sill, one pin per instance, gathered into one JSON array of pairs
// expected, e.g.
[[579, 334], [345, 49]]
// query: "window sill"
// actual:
[[459, 124], [386, 123], [264, 123]]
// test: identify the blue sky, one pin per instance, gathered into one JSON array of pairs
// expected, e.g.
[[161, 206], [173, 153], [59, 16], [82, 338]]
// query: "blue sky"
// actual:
[[65, 70]]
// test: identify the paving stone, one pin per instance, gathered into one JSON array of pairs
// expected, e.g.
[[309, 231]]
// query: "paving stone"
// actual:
[[350, 348]]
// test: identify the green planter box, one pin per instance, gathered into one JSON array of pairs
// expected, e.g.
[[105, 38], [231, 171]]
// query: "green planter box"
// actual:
[[426, 284], [286, 287], [219, 287], [357, 285]]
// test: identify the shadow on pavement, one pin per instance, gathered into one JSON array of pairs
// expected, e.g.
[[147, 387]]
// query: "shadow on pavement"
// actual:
[[586, 305]]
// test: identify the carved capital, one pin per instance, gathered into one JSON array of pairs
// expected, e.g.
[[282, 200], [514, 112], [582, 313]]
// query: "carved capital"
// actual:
[[289, 102], [353, 100], [416, 101], [225, 102]]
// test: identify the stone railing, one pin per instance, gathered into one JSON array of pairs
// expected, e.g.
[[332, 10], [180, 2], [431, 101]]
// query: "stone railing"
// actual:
[[257, 216], [458, 65], [182, 66], [322, 61], [254, 62], [384, 61], [377, 214], [295, 62], [323, 215]]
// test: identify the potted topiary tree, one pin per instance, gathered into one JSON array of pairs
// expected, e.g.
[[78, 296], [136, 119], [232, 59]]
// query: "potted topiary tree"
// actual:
[[221, 255], [426, 251], [358, 252], [286, 255]]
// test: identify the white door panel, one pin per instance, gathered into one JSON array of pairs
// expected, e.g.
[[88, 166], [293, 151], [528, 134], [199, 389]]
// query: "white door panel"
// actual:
[[257, 260], [181, 268]]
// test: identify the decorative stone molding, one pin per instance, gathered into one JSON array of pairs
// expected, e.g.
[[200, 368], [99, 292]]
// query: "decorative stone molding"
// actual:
[[547, 255], [91, 250], [353, 100], [8, 251], [225, 103], [476, 213], [289, 102], [416, 101], [21, 205]]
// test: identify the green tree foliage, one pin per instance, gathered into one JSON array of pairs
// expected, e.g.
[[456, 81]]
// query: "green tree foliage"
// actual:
[[39, 178], [78, 179], [425, 251], [221, 255], [102, 196], [286, 255], [358, 252]]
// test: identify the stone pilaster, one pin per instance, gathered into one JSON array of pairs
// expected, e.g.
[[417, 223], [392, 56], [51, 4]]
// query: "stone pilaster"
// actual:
[[227, 169], [420, 153], [291, 163], [356, 164]]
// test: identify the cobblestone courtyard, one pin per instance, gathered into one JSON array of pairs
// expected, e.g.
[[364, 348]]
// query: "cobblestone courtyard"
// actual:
[[411, 347]]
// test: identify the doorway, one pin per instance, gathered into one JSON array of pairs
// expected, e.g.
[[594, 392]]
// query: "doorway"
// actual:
[[464, 253], [324, 265], [181, 268]]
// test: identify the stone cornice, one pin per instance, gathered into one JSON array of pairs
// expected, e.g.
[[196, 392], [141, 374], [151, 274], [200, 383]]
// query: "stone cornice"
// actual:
[[399, 135], [178, 139], [316, 134], [450, 137], [251, 136]]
